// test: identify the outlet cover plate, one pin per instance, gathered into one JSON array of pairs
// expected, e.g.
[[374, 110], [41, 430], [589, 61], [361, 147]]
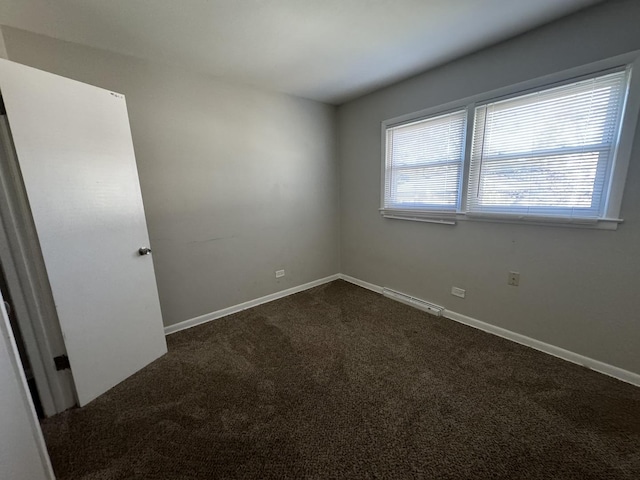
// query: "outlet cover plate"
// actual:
[[279, 273], [458, 292]]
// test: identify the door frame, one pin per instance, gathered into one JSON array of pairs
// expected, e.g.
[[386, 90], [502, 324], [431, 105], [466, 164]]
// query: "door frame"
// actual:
[[29, 285], [7, 337]]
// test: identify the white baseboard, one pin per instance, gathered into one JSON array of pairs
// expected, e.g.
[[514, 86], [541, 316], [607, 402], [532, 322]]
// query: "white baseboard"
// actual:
[[361, 283], [596, 365], [207, 317]]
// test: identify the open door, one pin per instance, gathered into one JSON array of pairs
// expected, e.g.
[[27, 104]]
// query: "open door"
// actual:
[[75, 153]]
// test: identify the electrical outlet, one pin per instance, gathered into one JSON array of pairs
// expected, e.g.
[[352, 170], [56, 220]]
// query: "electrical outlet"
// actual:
[[514, 279], [458, 292], [279, 273]]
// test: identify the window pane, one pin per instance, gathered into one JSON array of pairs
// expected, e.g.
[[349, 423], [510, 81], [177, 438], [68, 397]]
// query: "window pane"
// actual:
[[575, 120], [436, 186], [428, 141], [541, 182]]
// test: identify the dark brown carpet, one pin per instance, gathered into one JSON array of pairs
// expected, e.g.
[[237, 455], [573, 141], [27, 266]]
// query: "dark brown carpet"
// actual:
[[339, 382]]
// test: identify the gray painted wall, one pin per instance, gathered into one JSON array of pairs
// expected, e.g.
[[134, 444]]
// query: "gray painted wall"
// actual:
[[579, 288], [236, 182]]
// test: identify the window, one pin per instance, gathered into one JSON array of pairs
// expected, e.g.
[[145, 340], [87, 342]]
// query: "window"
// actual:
[[424, 163], [548, 153]]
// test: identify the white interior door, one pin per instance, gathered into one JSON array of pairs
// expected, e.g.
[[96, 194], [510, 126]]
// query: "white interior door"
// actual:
[[75, 152]]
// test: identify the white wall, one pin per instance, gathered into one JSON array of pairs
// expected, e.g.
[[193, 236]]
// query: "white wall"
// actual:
[[236, 182], [579, 288], [22, 454]]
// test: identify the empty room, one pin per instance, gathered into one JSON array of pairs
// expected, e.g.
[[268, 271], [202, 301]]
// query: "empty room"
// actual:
[[303, 239]]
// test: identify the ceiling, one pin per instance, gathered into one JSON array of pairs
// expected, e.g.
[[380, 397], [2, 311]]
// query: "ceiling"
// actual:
[[326, 50]]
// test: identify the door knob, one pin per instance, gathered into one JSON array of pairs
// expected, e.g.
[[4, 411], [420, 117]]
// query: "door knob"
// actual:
[[144, 250]]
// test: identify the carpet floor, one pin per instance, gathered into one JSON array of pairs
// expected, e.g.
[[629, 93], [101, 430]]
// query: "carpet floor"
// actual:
[[338, 382]]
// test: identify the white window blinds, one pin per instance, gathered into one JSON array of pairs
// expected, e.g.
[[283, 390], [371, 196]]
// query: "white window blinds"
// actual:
[[548, 153], [424, 162]]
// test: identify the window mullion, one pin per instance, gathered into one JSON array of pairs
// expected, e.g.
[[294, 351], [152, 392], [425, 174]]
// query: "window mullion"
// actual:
[[466, 159]]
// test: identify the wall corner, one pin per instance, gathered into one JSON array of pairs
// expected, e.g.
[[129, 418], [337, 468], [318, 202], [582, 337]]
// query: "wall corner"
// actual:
[[3, 48]]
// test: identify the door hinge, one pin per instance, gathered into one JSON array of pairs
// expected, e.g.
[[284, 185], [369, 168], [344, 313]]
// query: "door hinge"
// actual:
[[62, 362]]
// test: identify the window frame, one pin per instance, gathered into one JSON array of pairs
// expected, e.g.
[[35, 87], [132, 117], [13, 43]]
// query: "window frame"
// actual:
[[616, 179]]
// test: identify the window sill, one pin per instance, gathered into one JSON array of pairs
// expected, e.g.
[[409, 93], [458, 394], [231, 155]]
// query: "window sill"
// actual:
[[444, 218], [545, 221], [451, 218]]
